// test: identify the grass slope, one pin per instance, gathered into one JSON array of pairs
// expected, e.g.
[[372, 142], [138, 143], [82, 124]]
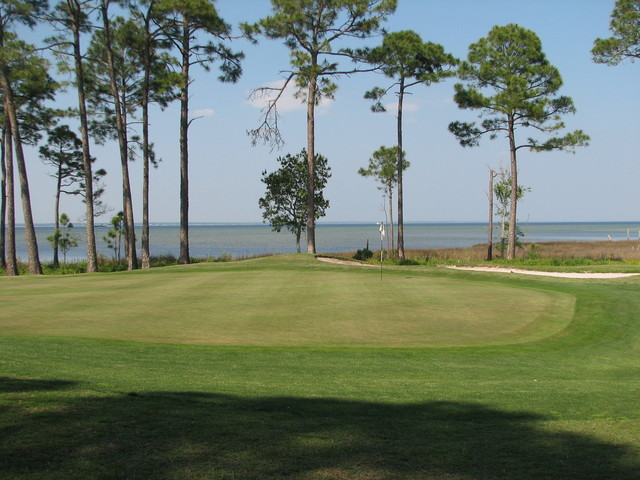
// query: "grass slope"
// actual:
[[546, 386]]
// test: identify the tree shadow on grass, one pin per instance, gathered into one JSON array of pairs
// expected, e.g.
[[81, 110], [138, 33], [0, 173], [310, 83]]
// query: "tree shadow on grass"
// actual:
[[8, 384], [185, 435]]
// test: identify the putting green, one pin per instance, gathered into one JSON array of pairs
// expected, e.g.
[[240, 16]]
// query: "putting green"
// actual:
[[288, 300]]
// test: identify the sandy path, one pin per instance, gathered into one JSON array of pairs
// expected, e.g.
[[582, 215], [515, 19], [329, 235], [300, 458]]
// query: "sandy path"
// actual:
[[546, 274], [584, 275], [345, 262]]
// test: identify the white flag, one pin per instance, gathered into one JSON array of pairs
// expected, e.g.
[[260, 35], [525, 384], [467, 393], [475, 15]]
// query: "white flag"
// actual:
[[382, 231]]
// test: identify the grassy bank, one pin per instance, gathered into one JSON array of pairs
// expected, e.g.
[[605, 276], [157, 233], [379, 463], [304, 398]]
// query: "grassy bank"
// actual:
[[285, 367]]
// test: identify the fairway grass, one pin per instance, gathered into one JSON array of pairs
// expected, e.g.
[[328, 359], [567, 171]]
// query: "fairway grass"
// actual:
[[284, 367]]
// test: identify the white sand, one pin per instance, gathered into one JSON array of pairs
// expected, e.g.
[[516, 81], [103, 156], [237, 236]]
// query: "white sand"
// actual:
[[584, 275], [546, 274], [345, 262]]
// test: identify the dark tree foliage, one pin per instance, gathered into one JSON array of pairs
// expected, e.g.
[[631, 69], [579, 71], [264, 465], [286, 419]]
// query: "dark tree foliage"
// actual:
[[383, 168], [284, 204], [625, 41], [63, 152]]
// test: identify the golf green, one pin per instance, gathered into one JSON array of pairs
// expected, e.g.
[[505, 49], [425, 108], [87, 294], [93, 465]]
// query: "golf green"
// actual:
[[300, 304]]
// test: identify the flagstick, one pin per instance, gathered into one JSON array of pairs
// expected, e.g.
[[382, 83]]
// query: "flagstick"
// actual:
[[381, 253], [382, 235]]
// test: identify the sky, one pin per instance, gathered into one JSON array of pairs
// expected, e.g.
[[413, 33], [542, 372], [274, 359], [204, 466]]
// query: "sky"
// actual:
[[445, 183]]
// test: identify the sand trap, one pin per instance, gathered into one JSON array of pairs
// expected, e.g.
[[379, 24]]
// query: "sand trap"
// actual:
[[345, 262], [584, 275], [546, 274]]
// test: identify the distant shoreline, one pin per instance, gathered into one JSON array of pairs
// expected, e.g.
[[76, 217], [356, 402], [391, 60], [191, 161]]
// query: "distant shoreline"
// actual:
[[213, 240], [355, 223]]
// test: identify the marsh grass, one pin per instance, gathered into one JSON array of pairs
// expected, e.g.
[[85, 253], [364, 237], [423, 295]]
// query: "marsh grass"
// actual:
[[539, 253], [546, 252]]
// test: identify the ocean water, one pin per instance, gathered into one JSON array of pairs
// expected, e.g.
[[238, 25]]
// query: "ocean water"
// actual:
[[215, 240]]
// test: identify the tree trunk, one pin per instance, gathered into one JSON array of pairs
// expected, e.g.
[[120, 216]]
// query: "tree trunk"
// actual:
[[30, 233], [146, 256], [56, 236], [490, 241], [503, 236], [12, 260], [400, 165], [92, 255], [184, 150], [391, 233], [511, 248], [311, 217], [121, 128], [3, 198], [129, 224], [298, 235]]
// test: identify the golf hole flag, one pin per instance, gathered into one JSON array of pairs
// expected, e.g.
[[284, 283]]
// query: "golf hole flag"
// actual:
[[382, 231]]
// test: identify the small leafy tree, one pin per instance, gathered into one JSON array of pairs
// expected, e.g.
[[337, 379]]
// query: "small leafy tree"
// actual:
[[502, 190], [625, 42], [383, 168], [63, 152], [115, 237], [63, 238], [285, 201]]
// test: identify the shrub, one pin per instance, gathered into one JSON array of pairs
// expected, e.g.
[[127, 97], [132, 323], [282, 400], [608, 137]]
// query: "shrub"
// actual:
[[407, 261], [364, 254]]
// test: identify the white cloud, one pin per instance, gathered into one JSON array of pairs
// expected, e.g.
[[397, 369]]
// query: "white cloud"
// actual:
[[287, 102], [392, 108], [205, 112]]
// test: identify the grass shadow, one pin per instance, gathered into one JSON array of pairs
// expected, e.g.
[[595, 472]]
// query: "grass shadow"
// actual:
[[16, 385], [184, 435]]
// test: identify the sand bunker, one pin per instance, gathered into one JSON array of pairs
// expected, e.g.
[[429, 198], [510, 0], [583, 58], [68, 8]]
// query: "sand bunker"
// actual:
[[584, 275], [345, 262], [546, 274]]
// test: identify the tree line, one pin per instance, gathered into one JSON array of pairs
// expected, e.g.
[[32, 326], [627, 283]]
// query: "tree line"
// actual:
[[125, 55]]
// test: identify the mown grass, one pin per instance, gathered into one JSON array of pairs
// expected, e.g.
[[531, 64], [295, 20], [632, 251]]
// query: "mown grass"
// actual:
[[299, 303], [562, 405]]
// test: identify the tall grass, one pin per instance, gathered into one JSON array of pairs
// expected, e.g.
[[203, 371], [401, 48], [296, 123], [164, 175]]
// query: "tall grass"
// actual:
[[542, 253]]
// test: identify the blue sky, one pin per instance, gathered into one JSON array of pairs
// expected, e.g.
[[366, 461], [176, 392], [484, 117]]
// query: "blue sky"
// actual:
[[445, 182]]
